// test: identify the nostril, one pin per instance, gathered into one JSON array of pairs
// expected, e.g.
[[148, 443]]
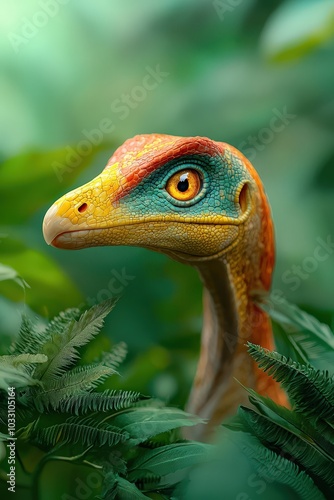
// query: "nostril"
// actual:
[[82, 208]]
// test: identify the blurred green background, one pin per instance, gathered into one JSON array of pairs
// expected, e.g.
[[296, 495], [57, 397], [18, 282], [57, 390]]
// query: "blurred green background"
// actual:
[[258, 75]]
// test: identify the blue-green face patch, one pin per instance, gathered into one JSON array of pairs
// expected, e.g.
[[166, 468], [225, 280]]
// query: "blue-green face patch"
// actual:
[[222, 179]]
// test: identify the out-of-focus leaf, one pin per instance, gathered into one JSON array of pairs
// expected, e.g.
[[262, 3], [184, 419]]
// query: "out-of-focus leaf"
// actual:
[[8, 273], [169, 460], [50, 288], [30, 180], [298, 27], [300, 336], [241, 468], [145, 423]]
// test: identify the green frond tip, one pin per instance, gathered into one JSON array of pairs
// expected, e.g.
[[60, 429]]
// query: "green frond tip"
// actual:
[[311, 390], [67, 336]]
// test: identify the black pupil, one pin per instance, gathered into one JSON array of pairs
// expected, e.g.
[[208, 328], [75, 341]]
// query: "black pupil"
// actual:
[[183, 184]]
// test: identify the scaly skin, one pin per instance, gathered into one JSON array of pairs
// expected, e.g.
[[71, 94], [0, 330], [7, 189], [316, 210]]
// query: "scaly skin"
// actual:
[[225, 232]]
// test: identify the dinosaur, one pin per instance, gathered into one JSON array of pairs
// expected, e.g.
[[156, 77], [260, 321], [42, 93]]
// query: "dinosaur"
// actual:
[[203, 204]]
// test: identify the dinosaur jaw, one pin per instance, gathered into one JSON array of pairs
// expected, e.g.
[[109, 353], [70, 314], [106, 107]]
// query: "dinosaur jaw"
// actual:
[[178, 240]]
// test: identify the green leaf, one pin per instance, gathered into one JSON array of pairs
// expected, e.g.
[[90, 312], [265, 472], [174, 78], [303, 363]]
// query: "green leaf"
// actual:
[[61, 348], [71, 383], [144, 423], [241, 467], [45, 174], [316, 463], [298, 27], [309, 430], [15, 376], [299, 380], [23, 359], [299, 335], [75, 430], [127, 490], [168, 460], [98, 401], [8, 273]]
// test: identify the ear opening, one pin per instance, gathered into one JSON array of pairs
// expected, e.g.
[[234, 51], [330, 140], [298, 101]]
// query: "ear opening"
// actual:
[[244, 198]]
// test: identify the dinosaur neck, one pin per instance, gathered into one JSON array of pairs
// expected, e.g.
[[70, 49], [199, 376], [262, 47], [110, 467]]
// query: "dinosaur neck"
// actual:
[[230, 319], [222, 324]]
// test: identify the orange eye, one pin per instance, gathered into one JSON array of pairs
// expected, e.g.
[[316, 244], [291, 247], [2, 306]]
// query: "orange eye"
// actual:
[[184, 185]]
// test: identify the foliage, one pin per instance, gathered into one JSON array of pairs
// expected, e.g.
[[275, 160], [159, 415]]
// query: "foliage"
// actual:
[[279, 451], [132, 441], [59, 410]]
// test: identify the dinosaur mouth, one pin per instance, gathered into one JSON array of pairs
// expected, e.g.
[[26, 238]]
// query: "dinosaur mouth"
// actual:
[[159, 237]]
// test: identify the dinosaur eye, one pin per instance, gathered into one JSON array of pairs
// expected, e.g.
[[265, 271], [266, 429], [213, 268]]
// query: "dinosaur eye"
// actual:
[[184, 185]]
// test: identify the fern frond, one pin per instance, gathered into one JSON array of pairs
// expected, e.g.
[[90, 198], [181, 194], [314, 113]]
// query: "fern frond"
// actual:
[[316, 464], [30, 338], [271, 466], [61, 348], [85, 432], [299, 335], [15, 376], [115, 357], [98, 401], [71, 384], [299, 380], [313, 431]]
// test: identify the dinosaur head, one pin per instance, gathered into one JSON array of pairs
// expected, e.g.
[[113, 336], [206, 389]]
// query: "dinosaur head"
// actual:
[[186, 197]]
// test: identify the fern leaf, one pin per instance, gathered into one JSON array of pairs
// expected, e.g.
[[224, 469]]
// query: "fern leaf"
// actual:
[[61, 348], [299, 335], [316, 464], [85, 432], [23, 360], [114, 358], [30, 338], [271, 466], [71, 384], [15, 376], [98, 401], [313, 431], [299, 380]]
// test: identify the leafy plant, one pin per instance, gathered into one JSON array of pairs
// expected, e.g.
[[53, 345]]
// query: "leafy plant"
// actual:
[[60, 411], [69, 411], [277, 450]]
